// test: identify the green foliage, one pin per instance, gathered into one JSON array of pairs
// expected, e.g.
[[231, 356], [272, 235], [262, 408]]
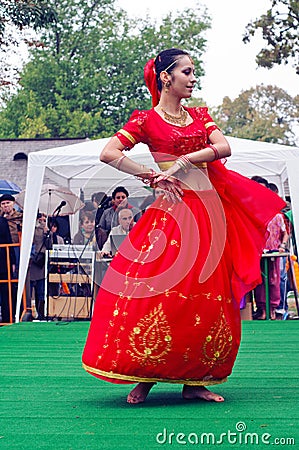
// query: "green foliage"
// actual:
[[25, 13], [264, 113], [279, 27], [88, 77], [19, 20]]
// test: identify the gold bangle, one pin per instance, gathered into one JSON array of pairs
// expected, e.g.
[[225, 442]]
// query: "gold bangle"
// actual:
[[119, 161], [184, 163]]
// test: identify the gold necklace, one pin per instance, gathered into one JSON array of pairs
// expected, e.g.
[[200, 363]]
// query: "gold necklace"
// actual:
[[177, 120]]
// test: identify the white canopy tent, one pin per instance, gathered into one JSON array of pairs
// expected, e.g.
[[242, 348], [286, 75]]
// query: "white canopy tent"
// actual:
[[78, 167]]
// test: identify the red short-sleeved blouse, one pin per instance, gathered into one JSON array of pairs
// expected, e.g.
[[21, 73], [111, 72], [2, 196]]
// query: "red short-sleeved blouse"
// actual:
[[166, 139]]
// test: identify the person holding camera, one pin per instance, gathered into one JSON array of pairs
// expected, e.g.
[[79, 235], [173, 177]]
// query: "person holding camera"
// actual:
[[37, 265]]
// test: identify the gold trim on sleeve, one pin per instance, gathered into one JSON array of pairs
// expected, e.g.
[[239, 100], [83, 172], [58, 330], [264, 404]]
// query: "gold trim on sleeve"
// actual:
[[127, 135], [209, 124]]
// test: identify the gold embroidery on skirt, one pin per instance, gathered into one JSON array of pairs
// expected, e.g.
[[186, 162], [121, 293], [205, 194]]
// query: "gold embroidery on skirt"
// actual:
[[186, 354], [197, 320], [218, 343], [151, 338]]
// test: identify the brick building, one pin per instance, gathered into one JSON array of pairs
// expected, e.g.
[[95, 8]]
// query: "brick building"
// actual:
[[14, 155]]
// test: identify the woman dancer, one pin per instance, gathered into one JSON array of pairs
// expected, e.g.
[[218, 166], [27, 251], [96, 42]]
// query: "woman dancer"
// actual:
[[168, 307]]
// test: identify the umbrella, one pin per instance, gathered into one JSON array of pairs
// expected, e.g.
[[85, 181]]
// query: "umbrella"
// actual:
[[54, 200], [8, 187]]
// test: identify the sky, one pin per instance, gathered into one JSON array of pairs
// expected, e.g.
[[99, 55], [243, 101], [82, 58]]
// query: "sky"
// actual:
[[229, 64]]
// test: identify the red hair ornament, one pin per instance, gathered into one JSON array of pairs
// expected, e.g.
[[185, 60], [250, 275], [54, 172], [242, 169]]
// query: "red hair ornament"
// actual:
[[151, 81]]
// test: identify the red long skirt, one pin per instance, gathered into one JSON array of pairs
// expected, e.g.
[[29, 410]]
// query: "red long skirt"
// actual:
[[168, 307]]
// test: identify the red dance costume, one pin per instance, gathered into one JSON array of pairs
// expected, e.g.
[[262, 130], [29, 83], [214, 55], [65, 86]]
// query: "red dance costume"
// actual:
[[168, 307]]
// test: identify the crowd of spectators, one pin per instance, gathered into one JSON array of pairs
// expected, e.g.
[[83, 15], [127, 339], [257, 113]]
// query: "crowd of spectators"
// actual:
[[102, 217], [95, 221]]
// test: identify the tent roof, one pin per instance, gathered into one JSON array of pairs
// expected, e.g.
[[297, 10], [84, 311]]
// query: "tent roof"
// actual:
[[260, 158], [78, 165]]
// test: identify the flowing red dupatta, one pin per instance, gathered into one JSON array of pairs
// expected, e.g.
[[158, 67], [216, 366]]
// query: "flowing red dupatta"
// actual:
[[249, 207]]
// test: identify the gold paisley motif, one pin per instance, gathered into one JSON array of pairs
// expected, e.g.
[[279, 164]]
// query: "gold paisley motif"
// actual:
[[150, 339], [218, 343]]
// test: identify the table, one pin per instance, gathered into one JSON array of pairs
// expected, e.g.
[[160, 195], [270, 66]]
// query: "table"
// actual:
[[266, 257], [100, 267], [70, 266]]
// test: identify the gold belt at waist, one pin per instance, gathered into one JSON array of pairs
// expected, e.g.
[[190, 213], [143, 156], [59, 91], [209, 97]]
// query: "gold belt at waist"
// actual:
[[164, 165]]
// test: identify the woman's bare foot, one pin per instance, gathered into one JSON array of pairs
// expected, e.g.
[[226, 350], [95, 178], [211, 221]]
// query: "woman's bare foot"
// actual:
[[139, 393], [191, 392]]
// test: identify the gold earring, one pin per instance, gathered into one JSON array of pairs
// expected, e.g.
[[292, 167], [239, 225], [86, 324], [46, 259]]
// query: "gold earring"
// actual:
[[167, 85]]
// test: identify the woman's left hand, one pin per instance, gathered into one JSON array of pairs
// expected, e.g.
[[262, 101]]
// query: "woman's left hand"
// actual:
[[170, 185]]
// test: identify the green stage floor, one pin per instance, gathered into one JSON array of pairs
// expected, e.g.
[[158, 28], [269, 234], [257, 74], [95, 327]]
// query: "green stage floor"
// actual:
[[49, 402]]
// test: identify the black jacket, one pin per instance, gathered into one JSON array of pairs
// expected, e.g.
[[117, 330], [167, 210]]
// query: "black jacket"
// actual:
[[5, 238]]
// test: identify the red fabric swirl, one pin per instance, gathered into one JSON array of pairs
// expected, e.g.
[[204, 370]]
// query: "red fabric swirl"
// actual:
[[151, 82]]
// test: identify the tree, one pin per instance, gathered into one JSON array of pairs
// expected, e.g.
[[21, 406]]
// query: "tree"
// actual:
[[17, 16], [264, 113], [88, 77], [279, 27], [24, 13]]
